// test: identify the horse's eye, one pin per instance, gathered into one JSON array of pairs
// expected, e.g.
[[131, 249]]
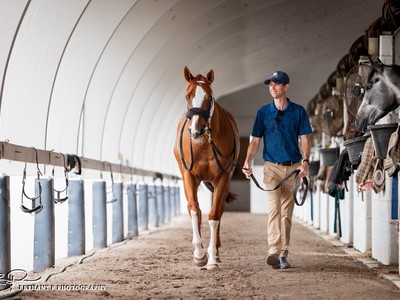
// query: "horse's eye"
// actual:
[[368, 86], [187, 98]]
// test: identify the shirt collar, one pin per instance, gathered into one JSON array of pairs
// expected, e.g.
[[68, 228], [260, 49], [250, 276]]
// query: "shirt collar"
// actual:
[[274, 109]]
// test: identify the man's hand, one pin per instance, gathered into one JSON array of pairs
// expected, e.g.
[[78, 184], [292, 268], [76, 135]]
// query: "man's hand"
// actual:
[[303, 169], [247, 170]]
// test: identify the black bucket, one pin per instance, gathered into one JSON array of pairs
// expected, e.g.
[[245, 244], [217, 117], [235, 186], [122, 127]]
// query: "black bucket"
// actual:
[[380, 136], [328, 156], [313, 168], [355, 147]]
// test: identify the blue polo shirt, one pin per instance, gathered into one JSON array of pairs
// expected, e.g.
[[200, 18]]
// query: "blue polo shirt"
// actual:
[[281, 131]]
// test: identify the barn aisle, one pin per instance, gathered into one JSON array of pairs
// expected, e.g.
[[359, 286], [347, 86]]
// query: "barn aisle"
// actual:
[[157, 265]]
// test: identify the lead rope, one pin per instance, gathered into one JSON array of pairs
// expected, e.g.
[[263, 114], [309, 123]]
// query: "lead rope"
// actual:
[[181, 149], [217, 152], [294, 189]]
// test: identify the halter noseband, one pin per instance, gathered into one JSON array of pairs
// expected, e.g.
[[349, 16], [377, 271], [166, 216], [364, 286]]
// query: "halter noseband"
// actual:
[[197, 111]]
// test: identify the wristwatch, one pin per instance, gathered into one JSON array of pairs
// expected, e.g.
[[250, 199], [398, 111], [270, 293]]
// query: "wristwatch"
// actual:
[[305, 160]]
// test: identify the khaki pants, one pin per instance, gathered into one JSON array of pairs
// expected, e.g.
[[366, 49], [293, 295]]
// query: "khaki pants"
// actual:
[[280, 207]]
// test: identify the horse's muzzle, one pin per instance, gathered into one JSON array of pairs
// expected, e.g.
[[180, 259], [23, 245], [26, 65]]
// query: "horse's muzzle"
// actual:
[[197, 134], [361, 123]]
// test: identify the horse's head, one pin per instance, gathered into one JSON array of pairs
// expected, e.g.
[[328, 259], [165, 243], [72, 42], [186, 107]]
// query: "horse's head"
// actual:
[[200, 102], [382, 94]]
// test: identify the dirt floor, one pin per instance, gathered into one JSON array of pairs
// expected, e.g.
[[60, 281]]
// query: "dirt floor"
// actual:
[[158, 265]]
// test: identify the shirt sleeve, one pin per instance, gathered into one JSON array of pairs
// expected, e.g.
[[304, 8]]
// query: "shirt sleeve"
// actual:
[[305, 127], [258, 127]]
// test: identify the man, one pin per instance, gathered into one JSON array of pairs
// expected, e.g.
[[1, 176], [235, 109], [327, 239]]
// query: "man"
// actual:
[[282, 124]]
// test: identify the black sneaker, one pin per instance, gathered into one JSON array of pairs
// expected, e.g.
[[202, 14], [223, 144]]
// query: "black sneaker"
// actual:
[[273, 261], [284, 263]]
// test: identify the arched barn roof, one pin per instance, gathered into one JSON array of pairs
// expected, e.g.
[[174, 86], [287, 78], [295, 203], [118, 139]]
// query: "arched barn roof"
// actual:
[[104, 79]]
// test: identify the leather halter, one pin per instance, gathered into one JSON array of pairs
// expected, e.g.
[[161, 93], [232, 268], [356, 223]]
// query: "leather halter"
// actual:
[[197, 111]]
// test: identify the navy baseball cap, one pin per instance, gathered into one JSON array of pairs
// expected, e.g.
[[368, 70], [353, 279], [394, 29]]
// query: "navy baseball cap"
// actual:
[[278, 77]]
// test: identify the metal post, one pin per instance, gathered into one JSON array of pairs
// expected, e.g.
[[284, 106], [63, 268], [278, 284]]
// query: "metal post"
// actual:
[[76, 217], [153, 211], [133, 226], [5, 236], [99, 215], [118, 214], [143, 207], [160, 204], [44, 236], [166, 204], [173, 195], [171, 203], [177, 201]]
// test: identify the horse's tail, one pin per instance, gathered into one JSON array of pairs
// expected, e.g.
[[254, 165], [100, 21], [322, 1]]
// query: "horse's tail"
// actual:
[[231, 196]]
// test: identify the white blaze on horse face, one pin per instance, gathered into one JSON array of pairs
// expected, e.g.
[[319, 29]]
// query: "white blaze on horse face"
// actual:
[[197, 102], [212, 248], [199, 252]]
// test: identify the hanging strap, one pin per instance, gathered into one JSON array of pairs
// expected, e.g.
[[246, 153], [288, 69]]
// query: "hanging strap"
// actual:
[[57, 198], [337, 223]]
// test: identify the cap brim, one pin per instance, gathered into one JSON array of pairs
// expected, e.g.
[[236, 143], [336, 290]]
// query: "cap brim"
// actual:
[[268, 81]]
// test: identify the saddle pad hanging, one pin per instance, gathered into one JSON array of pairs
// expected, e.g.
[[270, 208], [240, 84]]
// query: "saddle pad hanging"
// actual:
[[378, 177], [393, 154], [366, 161]]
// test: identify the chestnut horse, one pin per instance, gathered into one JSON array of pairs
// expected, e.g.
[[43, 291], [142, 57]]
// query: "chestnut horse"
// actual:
[[200, 159]]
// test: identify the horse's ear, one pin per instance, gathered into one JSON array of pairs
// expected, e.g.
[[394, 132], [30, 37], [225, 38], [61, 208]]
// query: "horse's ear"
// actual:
[[376, 63], [210, 76], [187, 74]]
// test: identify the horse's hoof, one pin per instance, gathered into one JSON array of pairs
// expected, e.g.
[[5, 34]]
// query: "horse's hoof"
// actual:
[[201, 262], [212, 267], [218, 260]]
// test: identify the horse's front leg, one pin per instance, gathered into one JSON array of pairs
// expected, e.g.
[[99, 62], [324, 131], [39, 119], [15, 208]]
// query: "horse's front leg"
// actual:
[[214, 218], [199, 254]]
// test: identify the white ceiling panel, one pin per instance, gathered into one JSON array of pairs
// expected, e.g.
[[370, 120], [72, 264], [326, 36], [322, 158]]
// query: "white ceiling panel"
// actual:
[[104, 79]]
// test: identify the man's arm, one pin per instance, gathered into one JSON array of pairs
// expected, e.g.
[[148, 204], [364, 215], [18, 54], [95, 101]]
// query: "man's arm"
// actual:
[[305, 147], [251, 152]]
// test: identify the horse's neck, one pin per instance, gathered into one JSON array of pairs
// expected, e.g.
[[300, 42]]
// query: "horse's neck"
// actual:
[[216, 117]]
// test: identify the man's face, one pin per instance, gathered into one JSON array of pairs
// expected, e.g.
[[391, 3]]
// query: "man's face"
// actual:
[[277, 90]]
